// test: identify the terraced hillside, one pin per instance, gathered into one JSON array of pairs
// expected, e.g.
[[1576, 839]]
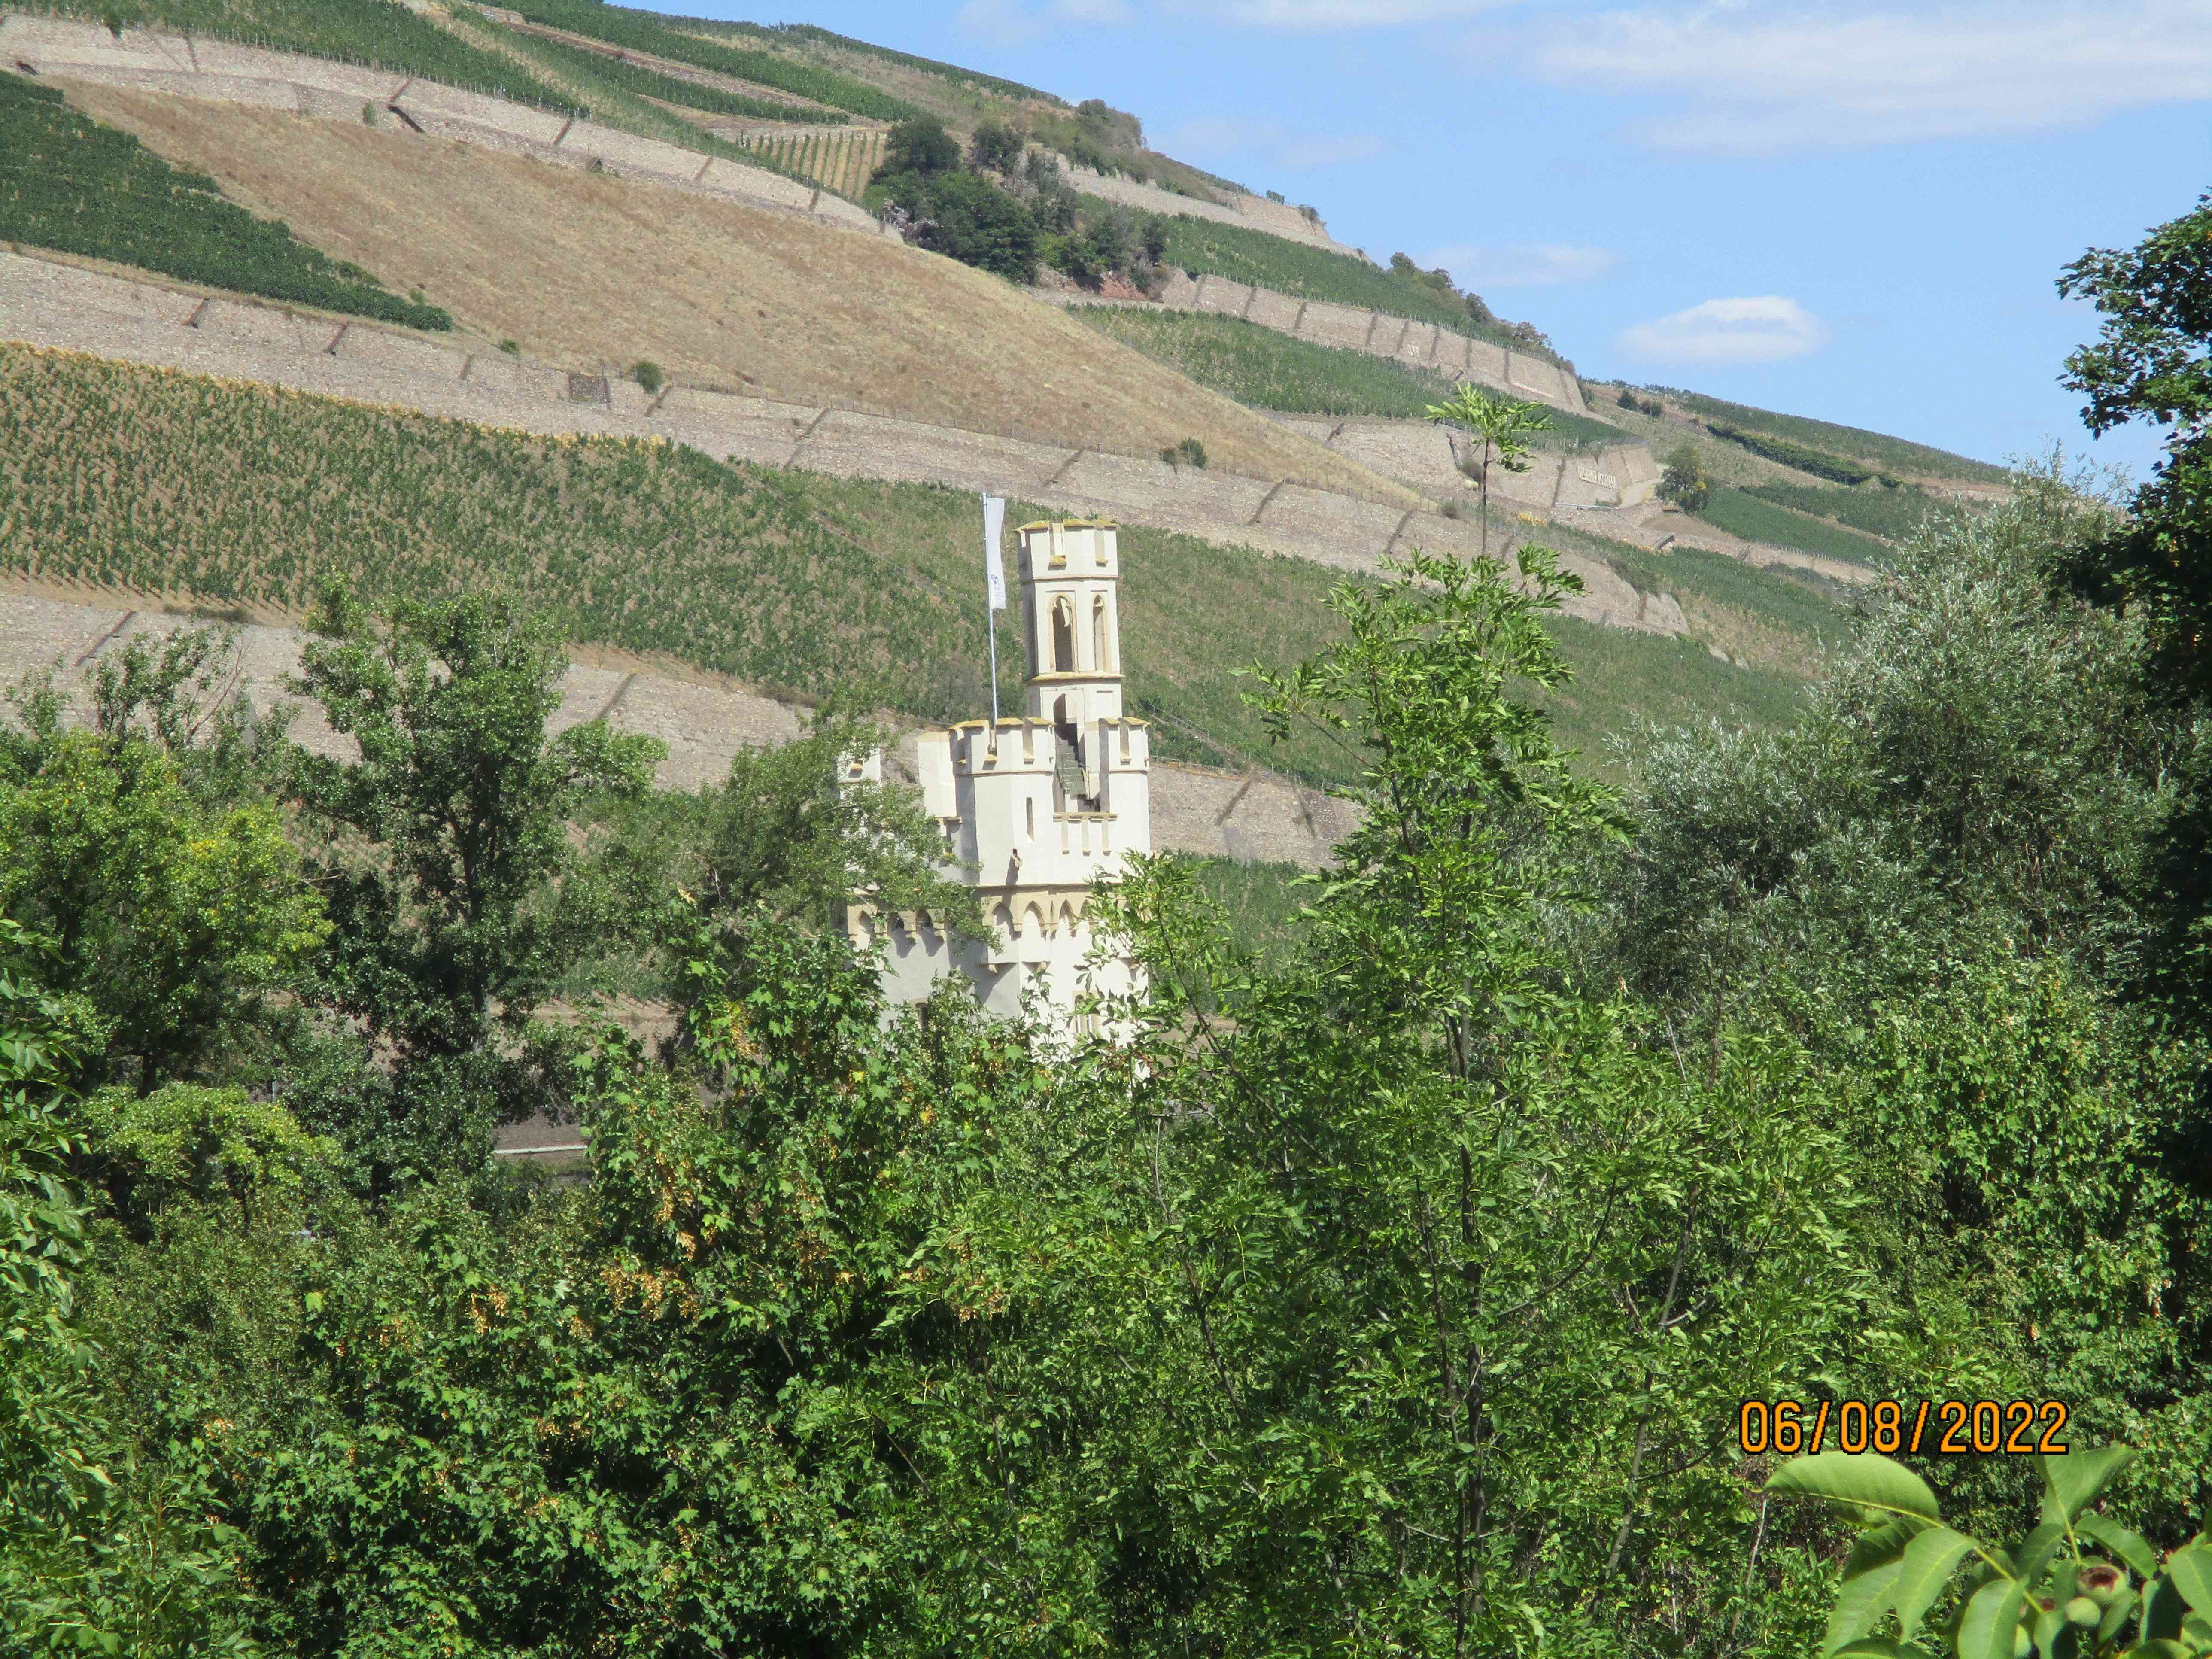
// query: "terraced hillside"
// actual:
[[138, 482], [591, 270]]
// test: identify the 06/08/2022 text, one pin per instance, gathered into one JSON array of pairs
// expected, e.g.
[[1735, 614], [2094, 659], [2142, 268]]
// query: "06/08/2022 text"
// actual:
[[1953, 1428]]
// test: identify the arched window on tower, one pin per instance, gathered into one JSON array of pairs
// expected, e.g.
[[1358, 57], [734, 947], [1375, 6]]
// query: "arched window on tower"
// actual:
[[1102, 658], [1063, 635]]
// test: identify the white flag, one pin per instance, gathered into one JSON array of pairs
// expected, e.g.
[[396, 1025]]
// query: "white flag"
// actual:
[[994, 570]]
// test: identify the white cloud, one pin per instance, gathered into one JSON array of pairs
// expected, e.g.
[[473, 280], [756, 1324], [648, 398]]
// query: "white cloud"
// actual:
[[1764, 329], [1218, 135], [1781, 78], [1538, 264]]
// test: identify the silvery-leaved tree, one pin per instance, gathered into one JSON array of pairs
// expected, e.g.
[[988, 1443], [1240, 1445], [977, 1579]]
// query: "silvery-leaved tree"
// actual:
[[1500, 425], [2080, 1586]]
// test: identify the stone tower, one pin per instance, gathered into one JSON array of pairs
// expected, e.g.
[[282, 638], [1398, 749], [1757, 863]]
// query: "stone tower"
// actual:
[[1037, 806]]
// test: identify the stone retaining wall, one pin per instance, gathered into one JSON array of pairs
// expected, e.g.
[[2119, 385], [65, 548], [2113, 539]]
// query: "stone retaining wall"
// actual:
[[1428, 456], [227, 73], [43, 302], [1258, 816], [1376, 333]]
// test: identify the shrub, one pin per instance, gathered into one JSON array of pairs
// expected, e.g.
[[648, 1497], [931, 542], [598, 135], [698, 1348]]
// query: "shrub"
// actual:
[[996, 147], [648, 374], [1684, 482], [1192, 451], [966, 218], [921, 147]]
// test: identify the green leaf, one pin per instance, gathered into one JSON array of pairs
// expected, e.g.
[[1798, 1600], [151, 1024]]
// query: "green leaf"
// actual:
[[2077, 1478], [1863, 1478], [2189, 1568], [1882, 1647], [2136, 1555], [1860, 1605], [1929, 1562], [2036, 1550], [2163, 1608], [2159, 1647], [2054, 1636], [1880, 1545], [1985, 1631]]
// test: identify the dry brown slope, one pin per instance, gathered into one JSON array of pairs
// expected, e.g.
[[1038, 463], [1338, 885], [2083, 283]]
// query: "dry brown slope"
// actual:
[[586, 268]]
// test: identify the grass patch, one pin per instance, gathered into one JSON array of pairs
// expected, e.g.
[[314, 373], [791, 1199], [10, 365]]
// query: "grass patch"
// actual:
[[1253, 256], [1817, 611], [69, 184], [1265, 368], [643, 31], [172, 485], [1877, 449], [1758, 520], [1258, 901], [619, 75], [612, 94], [810, 34], [1892, 514], [1622, 678], [376, 32]]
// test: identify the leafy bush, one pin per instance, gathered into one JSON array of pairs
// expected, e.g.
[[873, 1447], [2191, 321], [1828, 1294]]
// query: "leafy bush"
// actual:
[[1684, 481], [995, 148], [374, 31], [921, 147], [69, 184], [645, 32], [966, 218], [648, 374], [1755, 520]]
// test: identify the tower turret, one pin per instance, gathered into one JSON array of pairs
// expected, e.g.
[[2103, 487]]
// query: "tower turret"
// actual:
[[1071, 573]]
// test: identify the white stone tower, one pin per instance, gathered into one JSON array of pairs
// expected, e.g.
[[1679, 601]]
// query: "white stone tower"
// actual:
[[1037, 806]]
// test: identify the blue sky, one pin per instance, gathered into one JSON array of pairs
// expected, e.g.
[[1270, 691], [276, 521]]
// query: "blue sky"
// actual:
[[1852, 210]]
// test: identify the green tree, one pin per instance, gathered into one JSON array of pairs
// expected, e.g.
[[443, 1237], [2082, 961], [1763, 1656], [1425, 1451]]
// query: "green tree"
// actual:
[[1684, 481], [174, 916], [1501, 427], [966, 218], [2153, 361], [96, 1554], [995, 148], [451, 924], [1264, 1331], [921, 147], [456, 899]]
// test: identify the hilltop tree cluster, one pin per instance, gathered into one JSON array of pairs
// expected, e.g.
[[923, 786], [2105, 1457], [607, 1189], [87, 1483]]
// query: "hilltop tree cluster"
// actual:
[[1394, 1292], [1440, 281], [1008, 209]]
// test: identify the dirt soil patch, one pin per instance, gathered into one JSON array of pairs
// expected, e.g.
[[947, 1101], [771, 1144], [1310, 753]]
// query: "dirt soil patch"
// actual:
[[594, 271]]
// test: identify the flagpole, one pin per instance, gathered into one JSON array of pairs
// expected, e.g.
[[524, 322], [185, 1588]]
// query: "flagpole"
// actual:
[[994, 593]]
